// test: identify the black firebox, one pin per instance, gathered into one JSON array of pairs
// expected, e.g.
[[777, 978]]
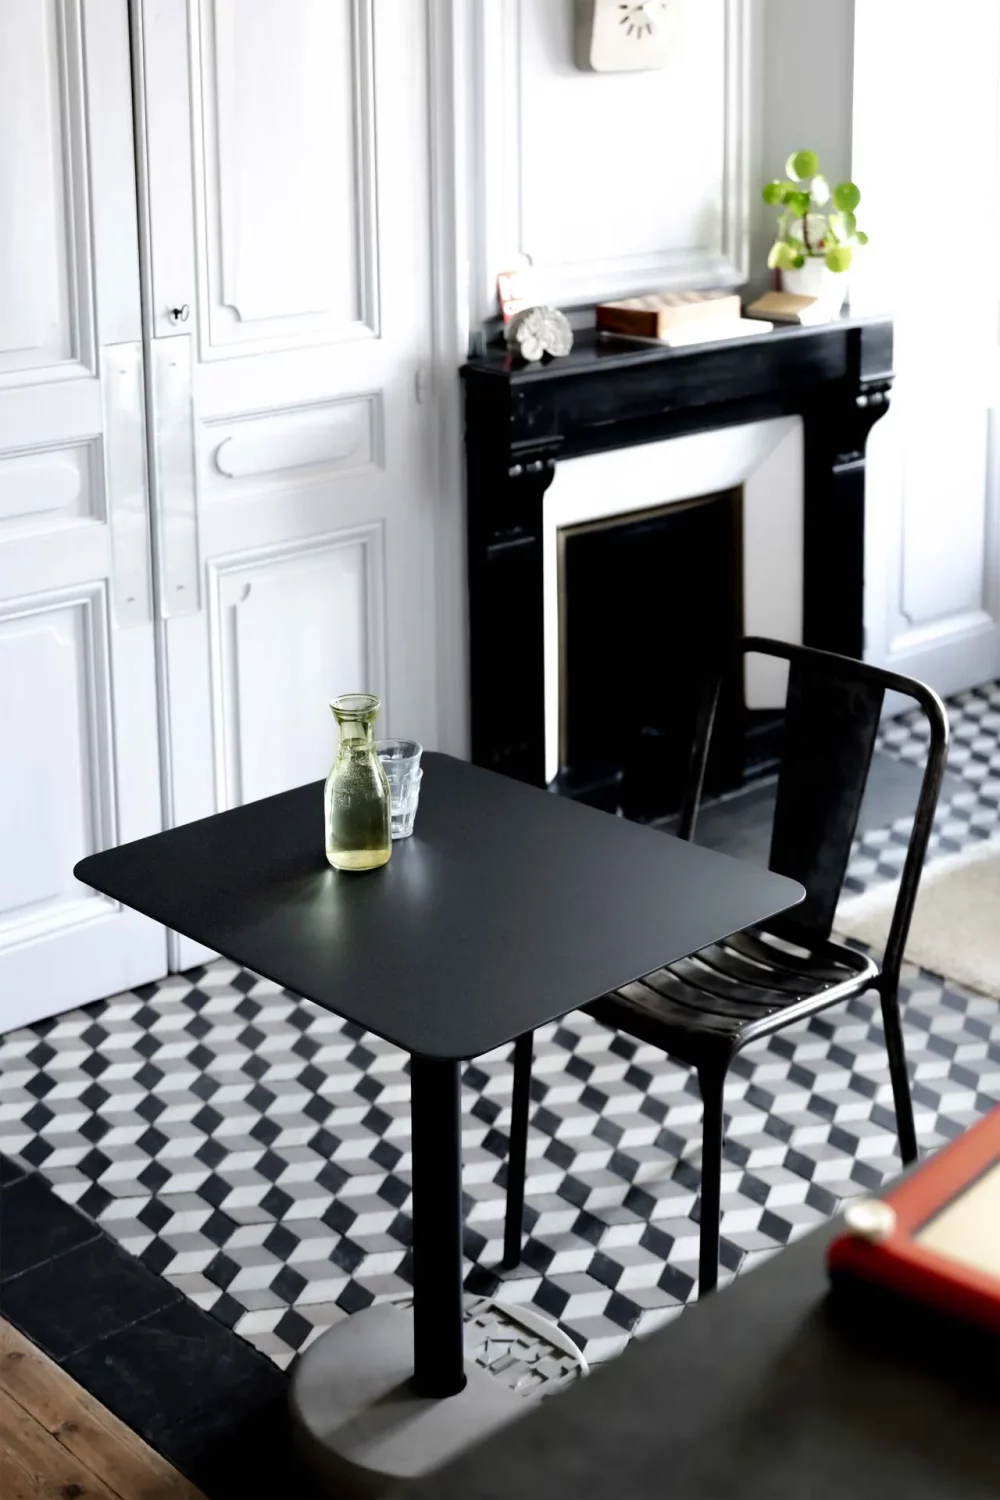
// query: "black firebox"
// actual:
[[648, 603]]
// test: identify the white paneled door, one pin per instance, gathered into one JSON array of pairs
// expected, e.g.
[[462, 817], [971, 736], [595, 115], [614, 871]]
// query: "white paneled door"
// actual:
[[78, 734], [286, 222]]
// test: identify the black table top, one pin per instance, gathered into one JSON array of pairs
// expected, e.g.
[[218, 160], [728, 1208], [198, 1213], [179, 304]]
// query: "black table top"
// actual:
[[766, 1391], [507, 908]]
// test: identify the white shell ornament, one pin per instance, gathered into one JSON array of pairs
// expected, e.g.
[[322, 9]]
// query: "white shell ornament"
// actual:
[[539, 330]]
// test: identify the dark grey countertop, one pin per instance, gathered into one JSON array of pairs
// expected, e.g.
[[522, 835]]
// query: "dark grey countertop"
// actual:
[[769, 1390]]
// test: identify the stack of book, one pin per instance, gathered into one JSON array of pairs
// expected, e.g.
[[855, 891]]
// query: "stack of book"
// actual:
[[679, 318]]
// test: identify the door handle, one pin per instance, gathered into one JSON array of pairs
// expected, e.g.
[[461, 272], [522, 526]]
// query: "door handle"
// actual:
[[125, 478], [174, 478]]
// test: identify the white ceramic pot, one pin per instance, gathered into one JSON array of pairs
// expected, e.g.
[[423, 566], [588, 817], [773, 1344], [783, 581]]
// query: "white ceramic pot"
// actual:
[[815, 279]]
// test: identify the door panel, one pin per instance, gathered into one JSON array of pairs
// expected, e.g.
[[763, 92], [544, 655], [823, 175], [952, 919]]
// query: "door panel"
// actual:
[[289, 192], [40, 61], [303, 256], [54, 683], [39, 491], [78, 736], [273, 726]]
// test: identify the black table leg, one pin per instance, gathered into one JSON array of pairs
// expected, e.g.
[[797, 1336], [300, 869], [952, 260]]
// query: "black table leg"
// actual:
[[438, 1352]]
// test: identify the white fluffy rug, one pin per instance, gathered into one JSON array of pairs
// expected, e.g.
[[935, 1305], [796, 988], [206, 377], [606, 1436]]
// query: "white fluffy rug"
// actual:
[[956, 924]]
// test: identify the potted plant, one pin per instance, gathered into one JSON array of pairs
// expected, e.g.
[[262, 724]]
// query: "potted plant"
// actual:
[[817, 231]]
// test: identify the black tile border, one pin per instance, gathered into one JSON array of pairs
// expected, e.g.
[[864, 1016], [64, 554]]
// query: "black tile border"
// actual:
[[192, 1388], [83, 1296], [37, 1227]]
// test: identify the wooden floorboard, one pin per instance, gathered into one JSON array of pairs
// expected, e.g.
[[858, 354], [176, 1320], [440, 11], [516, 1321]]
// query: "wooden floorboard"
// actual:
[[58, 1442]]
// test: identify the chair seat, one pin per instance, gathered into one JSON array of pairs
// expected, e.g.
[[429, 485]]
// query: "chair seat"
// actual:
[[725, 996]]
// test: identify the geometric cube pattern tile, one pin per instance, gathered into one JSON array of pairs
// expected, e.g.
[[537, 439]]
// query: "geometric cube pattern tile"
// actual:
[[255, 1151], [971, 815]]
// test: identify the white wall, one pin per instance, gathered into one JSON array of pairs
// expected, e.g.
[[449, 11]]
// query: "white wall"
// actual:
[[609, 183], [933, 543], [613, 183], [803, 97]]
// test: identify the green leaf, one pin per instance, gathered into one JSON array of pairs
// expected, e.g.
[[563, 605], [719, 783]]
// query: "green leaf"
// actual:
[[786, 256], [820, 190], [799, 204], [847, 196], [798, 262], [839, 257], [861, 237], [772, 192], [802, 164], [774, 255], [843, 228]]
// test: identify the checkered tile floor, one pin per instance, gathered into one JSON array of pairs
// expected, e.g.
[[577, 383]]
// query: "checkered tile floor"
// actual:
[[255, 1150], [966, 818]]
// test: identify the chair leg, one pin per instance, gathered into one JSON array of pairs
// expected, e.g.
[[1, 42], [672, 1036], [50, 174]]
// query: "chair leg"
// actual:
[[712, 1082], [905, 1127], [518, 1152]]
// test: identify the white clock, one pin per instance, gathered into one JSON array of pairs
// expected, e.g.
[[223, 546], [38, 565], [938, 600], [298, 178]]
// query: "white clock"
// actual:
[[622, 36]]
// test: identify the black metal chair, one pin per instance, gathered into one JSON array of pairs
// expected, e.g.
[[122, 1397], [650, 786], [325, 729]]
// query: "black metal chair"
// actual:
[[705, 1009]]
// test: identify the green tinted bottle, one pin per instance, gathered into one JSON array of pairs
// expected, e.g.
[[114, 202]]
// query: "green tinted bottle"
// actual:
[[357, 804]]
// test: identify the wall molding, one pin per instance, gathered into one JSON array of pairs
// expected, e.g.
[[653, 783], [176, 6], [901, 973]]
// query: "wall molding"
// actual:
[[229, 327], [497, 231], [72, 157], [956, 646], [322, 439]]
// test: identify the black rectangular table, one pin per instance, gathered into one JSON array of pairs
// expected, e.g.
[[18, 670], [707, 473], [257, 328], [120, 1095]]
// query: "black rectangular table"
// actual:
[[507, 908]]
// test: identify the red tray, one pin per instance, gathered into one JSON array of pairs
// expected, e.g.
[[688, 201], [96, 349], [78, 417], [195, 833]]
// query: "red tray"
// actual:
[[897, 1256]]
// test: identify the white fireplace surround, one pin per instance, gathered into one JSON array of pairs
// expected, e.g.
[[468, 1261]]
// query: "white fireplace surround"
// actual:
[[766, 459]]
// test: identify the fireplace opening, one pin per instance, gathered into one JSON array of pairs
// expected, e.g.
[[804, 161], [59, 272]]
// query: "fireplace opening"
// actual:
[[647, 601]]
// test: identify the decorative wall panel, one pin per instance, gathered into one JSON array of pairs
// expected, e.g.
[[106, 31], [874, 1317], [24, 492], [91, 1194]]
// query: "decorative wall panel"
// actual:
[[292, 627], [56, 751], [287, 172], [611, 183], [45, 312]]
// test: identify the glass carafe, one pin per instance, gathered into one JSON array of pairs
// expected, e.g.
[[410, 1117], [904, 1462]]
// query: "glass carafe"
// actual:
[[357, 804]]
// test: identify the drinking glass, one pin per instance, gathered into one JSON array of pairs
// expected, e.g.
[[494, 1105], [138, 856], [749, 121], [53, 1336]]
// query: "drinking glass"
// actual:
[[401, 762]]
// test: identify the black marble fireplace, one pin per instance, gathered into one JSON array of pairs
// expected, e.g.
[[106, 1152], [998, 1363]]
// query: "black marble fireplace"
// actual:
[[645, 598]]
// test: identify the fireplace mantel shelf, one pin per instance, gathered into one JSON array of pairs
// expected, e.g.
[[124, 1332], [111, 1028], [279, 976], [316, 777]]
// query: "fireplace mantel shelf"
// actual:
[[609, 382], [592, 348], [611, 392]]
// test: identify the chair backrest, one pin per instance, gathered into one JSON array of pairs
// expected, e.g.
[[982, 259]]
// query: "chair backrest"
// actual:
[[831, 723]]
